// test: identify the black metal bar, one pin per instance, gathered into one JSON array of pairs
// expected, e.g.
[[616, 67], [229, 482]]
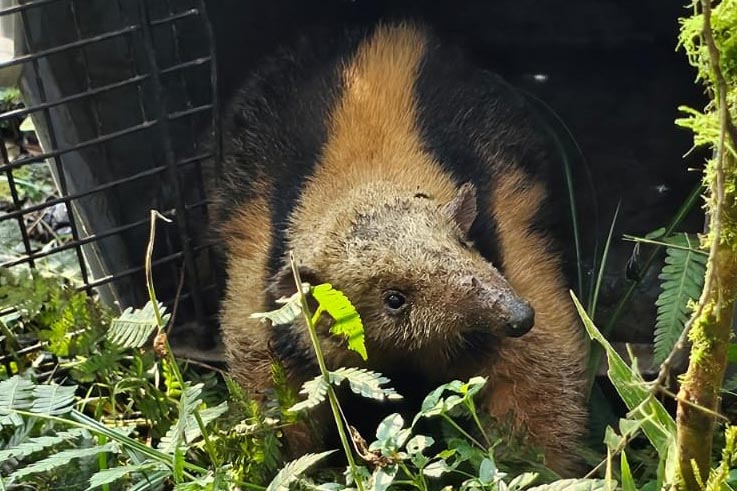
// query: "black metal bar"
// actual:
[[138, 269], [174, 17], [95, 238], [61, 177], [102, 187], [161, 115], [25, 6], [187, 64], [188, 112], [64, 47], [216, 116], [87, 143], [74, 97], [16, 203]]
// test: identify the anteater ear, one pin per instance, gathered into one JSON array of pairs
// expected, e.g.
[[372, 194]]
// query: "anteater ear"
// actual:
[[462, 209], [282, 283]]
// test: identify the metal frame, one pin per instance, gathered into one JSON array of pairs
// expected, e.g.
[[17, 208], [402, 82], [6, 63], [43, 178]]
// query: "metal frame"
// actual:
[[183, 248]]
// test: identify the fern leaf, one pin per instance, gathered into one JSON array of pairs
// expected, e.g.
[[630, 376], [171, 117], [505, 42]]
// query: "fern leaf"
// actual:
[[63, 458], [315, 390], [294, 469], [106, 476], [188, 403], [133, 328], [40, 443], [347, 321], [365, 383], [284, 316], [53, 399], [682, 279], [16, 393]]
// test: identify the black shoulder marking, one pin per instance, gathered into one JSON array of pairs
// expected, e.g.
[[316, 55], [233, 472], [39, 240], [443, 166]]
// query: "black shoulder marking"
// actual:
[[463, 108], [277, 126]]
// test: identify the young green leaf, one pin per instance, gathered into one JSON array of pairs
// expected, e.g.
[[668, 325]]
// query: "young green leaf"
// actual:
[[133, 328], [682, 279], [347, 321], [290, 472], [365, 383]]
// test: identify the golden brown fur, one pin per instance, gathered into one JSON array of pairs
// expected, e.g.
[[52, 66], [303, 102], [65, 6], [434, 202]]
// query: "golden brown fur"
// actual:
[[540, 377]]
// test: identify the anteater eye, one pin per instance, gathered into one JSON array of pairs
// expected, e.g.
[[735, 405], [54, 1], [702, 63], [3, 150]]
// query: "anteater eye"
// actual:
[[394, 301]]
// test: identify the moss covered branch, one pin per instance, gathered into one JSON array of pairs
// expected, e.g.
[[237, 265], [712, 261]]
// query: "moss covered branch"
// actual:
[[709, 45]]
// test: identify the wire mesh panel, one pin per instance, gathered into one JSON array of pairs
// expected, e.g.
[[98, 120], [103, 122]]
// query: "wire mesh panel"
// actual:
[[122, 97]]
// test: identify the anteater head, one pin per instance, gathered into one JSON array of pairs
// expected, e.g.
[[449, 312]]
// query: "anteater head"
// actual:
[[421, 287]]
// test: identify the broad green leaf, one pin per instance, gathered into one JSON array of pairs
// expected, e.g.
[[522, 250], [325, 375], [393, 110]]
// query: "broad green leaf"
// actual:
[[347, 321], [315, 390], [290, 472], [522, 481], [365, 383], [487, 471], [63, 458], [40, 443], [16, 393], [628, 482], [437, 468], [573, 485], [383, 477], [133, 328], [106, 476], [389, 427], [657, 424]]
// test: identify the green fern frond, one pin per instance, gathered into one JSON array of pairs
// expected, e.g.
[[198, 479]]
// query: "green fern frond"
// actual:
[[286, 314], [187, 429], [40, 443], [347, 321], [365, 383], [107, 476], [315, 390], [682, 279], [53, 399], [63, 458], [294, 469], [133, 328], [16, 393]]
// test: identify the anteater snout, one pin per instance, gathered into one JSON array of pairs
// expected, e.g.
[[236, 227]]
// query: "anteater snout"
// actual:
[[521, 319]]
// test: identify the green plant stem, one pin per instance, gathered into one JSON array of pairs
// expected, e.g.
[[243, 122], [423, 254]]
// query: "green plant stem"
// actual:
[[463, 432], [332, 398], [209, 447], [472, 409], [417, 481]]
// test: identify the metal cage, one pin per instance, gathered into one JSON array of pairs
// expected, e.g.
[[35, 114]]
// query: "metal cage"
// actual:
[[123, 97]]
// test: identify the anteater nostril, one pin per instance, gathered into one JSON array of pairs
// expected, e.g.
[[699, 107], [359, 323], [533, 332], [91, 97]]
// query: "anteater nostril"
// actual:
[[521, 320]]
